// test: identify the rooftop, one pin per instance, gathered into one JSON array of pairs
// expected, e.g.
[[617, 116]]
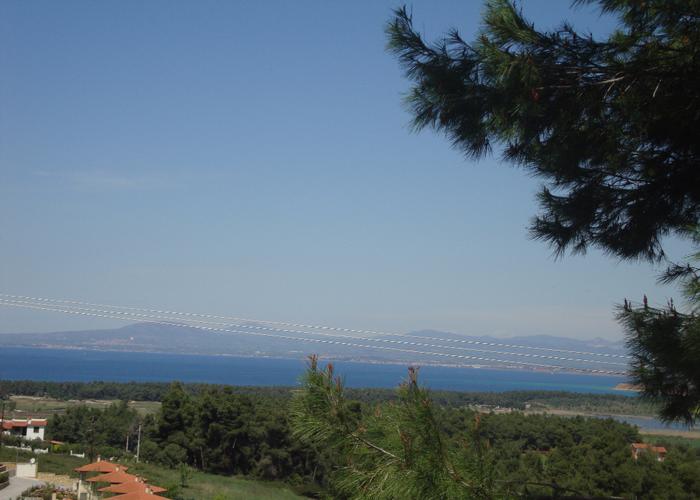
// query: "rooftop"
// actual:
[[8, 424], [118, 476], [140, 495], [101, 466], [132, 487]]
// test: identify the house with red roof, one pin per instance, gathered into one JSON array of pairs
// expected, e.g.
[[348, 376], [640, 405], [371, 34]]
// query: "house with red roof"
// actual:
[[104, 478], [26, 428], [639, 448]]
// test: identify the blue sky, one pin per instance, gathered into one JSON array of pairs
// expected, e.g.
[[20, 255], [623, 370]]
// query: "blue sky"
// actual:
[[254, 158]]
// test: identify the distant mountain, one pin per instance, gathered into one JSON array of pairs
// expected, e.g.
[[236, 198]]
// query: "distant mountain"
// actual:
[[549, 341], [419, 347]]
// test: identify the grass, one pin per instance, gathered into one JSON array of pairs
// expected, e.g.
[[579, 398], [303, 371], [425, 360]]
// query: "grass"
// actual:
[[201, 486], [210, 486], [10, 455], [672, 441], [35, 406], [60, 464], [54, 463]]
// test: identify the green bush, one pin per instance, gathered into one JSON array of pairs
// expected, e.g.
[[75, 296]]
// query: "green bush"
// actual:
[[4, 479], [45, 492]]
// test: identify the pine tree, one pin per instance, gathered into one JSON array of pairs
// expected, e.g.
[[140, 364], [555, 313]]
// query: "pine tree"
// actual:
[[611, 126], [665, 344], [395, 450]]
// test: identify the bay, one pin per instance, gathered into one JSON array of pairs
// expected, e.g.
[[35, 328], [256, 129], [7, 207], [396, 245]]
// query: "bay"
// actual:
[[18, 363]]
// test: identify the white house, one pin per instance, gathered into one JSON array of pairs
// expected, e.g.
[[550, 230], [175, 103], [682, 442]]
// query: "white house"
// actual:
[[27, 428]]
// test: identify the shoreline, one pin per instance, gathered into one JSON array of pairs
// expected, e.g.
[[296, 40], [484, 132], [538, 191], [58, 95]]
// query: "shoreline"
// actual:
[[567, 371]]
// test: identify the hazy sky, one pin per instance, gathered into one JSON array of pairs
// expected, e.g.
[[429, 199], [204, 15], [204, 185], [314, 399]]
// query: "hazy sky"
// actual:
[[254, 158]]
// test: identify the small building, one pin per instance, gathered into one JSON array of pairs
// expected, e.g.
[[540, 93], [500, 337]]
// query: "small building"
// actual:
[[26, 428], [638, 448]]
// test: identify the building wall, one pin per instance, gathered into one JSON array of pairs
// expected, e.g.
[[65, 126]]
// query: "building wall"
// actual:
[[26, 470], [29, 432], [35, 432]]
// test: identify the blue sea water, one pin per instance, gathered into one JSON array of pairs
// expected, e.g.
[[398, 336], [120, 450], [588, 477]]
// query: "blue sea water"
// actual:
[[81, 365]]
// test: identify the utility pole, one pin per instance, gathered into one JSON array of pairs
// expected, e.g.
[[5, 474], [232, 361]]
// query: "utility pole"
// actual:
[[2, 419], [138, 445]]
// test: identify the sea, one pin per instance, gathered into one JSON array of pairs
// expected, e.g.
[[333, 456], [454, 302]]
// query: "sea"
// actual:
[[19, 363], [61, 365]]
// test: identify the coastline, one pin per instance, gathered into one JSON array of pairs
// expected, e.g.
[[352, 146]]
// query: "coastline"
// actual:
[[336, 359]]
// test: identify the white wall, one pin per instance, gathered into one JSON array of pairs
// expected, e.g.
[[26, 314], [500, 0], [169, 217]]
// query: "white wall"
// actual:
[[35, 432], [32, 432], [26, 470]]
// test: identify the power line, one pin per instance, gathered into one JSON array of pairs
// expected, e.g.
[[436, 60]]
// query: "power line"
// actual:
[[317, 327], [324, 341], [140, 316]]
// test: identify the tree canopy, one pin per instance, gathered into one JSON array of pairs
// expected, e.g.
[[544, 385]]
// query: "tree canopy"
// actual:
[[612, 126], [665, 345], [412, 448]]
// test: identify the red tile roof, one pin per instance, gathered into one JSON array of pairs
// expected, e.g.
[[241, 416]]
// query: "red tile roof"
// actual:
[[31, 422], [117, 476], [131, 487], [659, 450], [140, 495], [101, 466]]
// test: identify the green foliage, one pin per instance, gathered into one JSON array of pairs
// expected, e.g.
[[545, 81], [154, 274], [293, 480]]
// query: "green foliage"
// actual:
[[141, 391], [394, 451], [665, 345], [185, 475], [513, 453], [204, 486], [612, 126], [412, 449], [47, 492], [666, 349], [95, 428], [7, 406], [679, 442], [219, 430], [130, 391], [279, 396]]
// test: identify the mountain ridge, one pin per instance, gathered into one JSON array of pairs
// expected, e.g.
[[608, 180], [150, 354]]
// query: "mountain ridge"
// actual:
[[430, 346]]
